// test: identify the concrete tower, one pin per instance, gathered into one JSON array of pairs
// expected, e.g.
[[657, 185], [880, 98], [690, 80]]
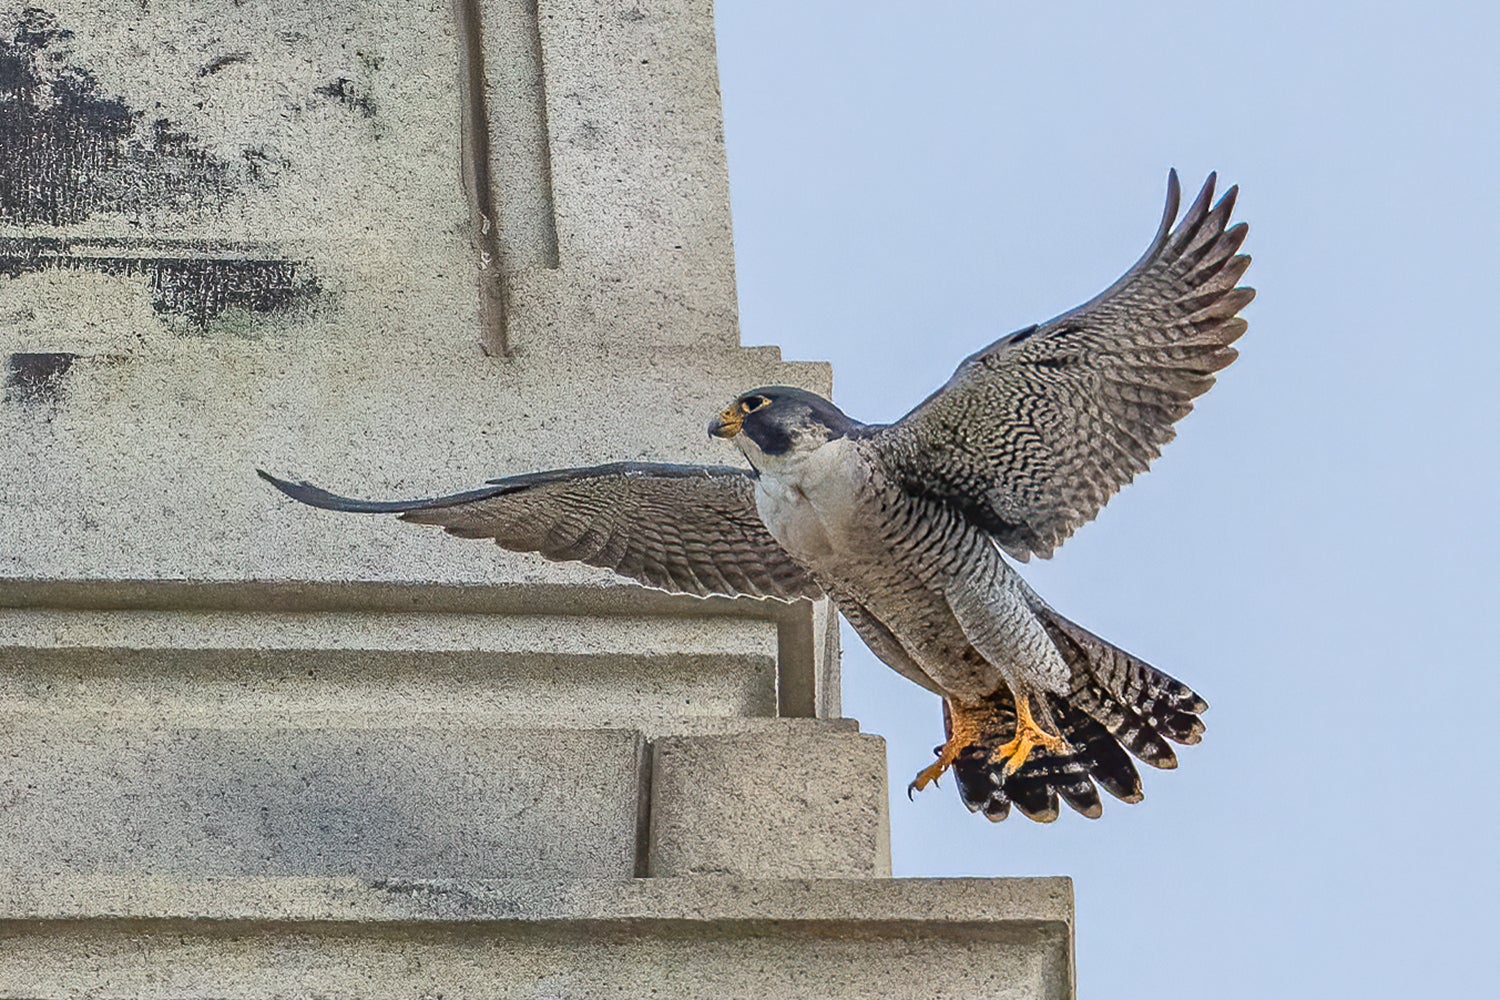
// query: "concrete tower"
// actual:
[[250, 749]]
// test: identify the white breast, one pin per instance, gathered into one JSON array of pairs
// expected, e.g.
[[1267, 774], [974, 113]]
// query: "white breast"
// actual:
[[811, 500]]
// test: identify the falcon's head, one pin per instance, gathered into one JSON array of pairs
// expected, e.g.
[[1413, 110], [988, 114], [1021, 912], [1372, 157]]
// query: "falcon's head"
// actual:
[[779, 421]]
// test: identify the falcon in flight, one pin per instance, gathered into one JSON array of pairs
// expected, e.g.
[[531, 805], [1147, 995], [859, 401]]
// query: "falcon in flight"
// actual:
[[906, 526]]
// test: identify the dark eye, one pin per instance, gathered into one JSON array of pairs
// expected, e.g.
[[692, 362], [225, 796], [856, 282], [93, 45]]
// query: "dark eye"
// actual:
[[754, 403]]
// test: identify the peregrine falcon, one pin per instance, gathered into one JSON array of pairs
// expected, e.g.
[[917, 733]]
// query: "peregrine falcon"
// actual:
[[906, 526]]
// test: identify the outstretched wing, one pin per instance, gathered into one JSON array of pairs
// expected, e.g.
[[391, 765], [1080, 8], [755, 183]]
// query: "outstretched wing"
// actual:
[[1032, 435], [680, 528]]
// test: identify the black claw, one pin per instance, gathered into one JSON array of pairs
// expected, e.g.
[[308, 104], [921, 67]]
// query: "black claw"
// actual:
[[912, 790]]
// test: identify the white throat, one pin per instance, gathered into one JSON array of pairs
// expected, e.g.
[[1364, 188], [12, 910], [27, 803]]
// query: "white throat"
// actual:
[[789, 466], [808, 497]]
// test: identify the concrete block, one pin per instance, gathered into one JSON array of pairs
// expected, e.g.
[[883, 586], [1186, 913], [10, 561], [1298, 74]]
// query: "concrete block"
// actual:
[[769, 805], [408, 803], [141, 465], [686, 937]]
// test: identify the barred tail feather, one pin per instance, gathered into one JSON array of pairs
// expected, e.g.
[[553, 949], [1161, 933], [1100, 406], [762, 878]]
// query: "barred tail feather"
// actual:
[[1140, 705], [1116, 702]]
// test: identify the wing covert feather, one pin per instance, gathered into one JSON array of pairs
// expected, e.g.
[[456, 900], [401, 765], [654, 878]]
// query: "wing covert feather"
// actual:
[[1033, 434], [680, 528]]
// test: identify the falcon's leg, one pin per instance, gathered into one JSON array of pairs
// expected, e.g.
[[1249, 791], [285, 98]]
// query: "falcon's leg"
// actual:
[[1028, 737], [966, 726]]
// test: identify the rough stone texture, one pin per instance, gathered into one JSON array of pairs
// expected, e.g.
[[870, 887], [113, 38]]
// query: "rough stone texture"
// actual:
[[142, 467], [764, 806], [393, 803], [332, 938]]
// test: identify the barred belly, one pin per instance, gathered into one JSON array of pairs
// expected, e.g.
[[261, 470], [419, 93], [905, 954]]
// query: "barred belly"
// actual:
[[916, 620]]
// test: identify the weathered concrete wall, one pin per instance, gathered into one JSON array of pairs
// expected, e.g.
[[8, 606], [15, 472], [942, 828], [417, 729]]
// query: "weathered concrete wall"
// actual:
[[400, 248], [284, 274], [287, 279]]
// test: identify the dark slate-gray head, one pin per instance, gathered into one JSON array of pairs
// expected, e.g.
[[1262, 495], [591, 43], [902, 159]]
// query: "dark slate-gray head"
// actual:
[[779, 419]]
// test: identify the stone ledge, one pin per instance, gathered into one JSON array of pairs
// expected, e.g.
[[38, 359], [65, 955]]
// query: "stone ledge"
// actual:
[[1034, 903], [674, 937], [254, 667], [769, 805], [438, 797], [621, 617]]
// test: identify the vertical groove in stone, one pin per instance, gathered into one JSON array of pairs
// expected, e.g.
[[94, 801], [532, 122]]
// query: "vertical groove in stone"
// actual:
[[506, 151], [475, 153], [643, 809]]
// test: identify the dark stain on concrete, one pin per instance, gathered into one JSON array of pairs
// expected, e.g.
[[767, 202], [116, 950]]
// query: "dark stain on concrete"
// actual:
[[346, 92], [194, 279], [263, 166], [218, 63], [202, 289], [36, 378], [69, 151]]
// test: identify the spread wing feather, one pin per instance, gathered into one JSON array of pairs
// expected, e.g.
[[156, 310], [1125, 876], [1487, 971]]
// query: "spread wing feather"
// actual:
[[685, 529], [1033, 434]]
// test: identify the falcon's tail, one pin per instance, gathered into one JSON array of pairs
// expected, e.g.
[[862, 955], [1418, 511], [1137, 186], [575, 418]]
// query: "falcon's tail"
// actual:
[[984, 786], [1116, 702]]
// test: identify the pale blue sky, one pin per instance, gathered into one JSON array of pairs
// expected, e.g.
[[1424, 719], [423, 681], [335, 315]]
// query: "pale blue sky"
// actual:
[[1313, 553]]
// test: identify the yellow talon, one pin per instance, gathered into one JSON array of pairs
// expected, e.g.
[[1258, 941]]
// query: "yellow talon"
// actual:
[[965, 725], [974, 725], [1028, 737], [931, 773]]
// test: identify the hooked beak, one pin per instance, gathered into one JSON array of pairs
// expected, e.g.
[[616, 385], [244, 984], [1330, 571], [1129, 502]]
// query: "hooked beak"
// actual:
[[727, 424]]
